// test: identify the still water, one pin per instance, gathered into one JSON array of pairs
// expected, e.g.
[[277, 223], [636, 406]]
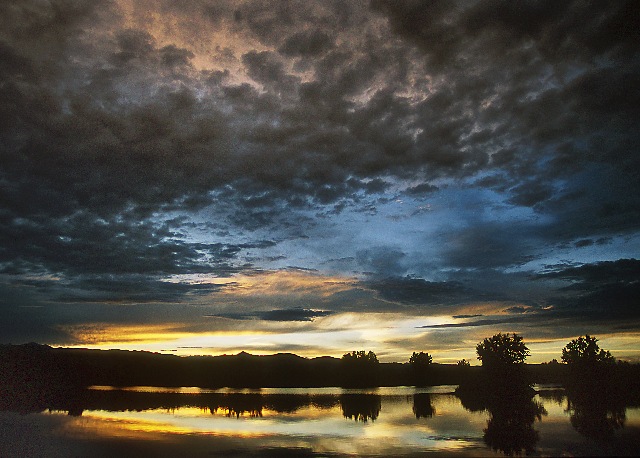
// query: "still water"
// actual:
[[402, 421]]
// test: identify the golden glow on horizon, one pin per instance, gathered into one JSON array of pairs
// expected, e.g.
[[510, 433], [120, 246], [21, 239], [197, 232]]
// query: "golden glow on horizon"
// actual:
[[331, 335], [392, 338]]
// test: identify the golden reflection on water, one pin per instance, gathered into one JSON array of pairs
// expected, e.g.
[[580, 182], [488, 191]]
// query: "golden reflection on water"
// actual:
[[392, 422], [324, 429]]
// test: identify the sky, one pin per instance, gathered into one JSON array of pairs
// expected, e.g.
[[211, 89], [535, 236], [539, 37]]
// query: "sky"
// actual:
[[317, 177]]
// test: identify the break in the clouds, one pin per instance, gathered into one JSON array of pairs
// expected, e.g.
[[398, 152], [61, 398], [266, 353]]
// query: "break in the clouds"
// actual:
[[417, 158]]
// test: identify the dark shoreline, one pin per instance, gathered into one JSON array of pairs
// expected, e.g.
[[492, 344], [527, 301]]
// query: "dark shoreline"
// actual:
[[34, 365]]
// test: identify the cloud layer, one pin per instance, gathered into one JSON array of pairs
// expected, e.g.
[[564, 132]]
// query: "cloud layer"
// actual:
[[431, 154]]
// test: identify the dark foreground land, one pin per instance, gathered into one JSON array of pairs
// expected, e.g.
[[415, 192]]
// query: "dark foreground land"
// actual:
[[40, 368], [31, 365]]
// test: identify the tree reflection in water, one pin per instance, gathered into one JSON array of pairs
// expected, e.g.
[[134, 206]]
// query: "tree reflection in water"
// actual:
[[361, 407], [513, 413], [510, 428], [596, 415], [422, 407], [239, 404]]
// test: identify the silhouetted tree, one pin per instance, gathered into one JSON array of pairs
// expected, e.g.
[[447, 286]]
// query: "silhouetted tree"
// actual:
[[502, 350], [420, 359], [419, 364], [361, 357], [360, 369], [502, 373], [589, 365], [463, 363], [585, 351]]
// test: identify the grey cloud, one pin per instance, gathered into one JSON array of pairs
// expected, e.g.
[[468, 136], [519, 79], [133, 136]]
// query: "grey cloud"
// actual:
[[173, 56], [127, 289], [421, 189], [410, 290], [381, 261], [489, 245], [470, 324], [296, 314], [104, 127], [517, 309], [599, 273], [583, 243], [308, 43], [556, 30], [607, 291]]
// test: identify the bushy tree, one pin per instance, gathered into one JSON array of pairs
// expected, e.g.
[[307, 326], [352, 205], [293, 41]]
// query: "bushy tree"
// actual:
[[360, 369], [585, 351], [419, 365], [360, 357], [463, 363], [420, 359], [502, 350]]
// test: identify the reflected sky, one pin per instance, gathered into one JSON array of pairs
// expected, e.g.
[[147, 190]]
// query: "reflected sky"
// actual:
[[309, 428]]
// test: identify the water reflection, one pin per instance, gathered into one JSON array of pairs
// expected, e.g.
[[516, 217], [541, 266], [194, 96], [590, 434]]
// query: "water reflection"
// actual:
[[361, 407], [422, 406], [596, 415], [323, 422], [509, 428]]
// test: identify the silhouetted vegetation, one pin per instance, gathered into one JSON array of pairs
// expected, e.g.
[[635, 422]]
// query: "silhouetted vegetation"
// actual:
[[361, 407], [42, 369], [419, 364], [360, 369], [503, 355], [596, 415], [513, 413], [422, 407], [503, 388], [598, 388], [503, 374], [588, 364], [510, 428]]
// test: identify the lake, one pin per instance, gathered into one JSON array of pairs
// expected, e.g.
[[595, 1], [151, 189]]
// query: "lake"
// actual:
[[401, 421]]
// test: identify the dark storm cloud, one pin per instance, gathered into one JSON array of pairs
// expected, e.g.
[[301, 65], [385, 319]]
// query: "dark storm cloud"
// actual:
[[471, 324], [125, 289], [381, 261], [489, 245], [296, 314], [599, 273], [87, 244], [409, 290], [552, 109], [312, 133], [307, 43], [608, 290], [108, 126]]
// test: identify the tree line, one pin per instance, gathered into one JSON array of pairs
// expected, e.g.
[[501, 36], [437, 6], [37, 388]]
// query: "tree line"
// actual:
[[502, 356]]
